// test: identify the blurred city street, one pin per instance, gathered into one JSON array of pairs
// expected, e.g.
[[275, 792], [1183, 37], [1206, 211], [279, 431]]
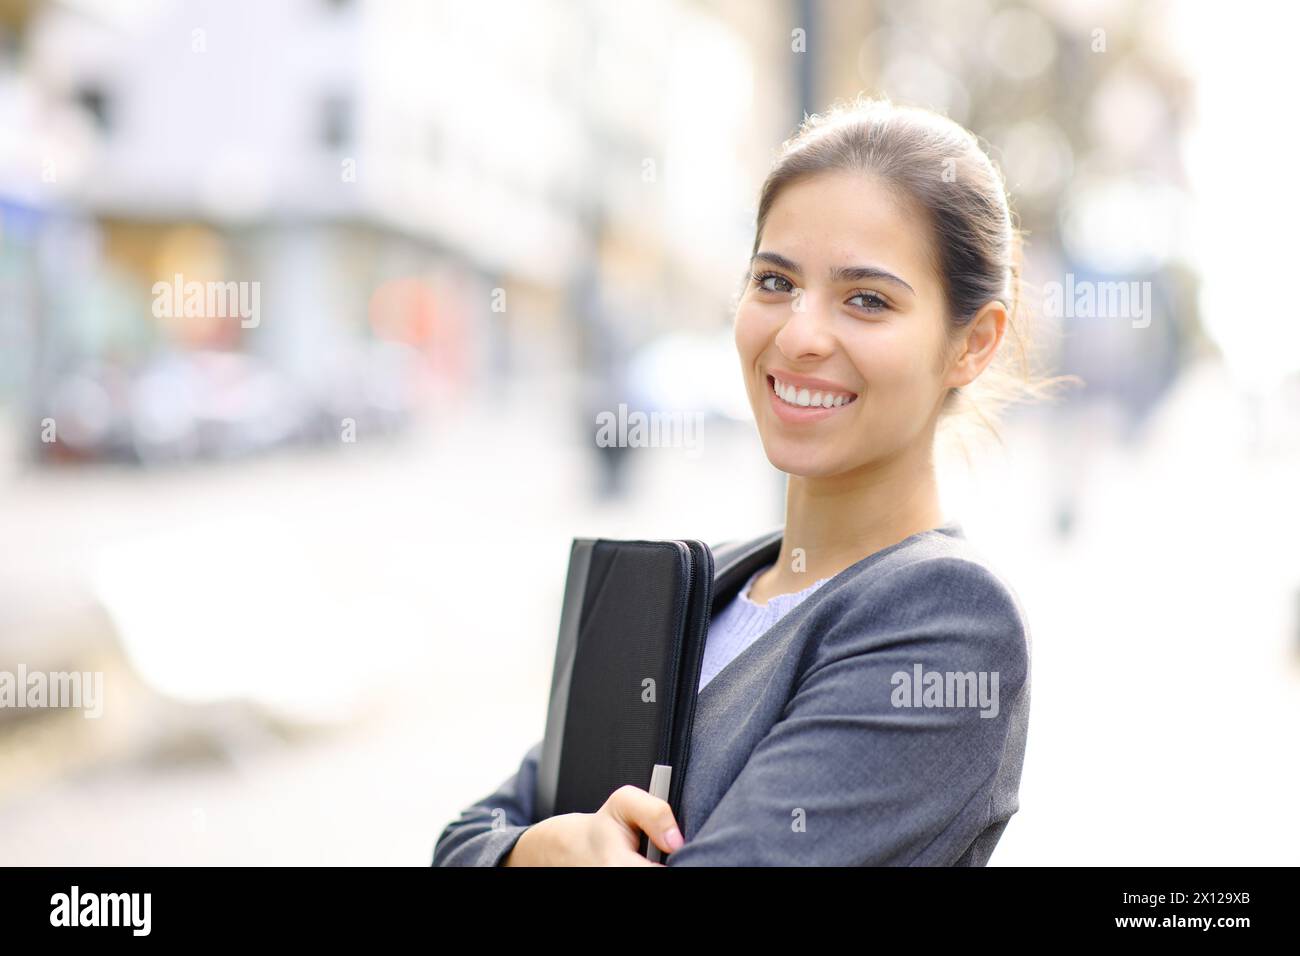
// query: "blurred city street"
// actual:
[[409, 543]]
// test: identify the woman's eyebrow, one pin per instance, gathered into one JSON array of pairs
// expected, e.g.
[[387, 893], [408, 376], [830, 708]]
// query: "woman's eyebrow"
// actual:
[[839, 274]]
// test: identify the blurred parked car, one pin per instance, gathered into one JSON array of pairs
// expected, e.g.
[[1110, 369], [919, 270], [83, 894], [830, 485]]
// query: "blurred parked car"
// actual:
[[212, 405]]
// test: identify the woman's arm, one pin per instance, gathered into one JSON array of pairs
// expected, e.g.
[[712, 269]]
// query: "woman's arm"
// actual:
[[487, 831], [847, 777]]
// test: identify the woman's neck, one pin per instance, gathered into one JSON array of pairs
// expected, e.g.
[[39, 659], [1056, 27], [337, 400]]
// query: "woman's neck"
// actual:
[[834, 522]]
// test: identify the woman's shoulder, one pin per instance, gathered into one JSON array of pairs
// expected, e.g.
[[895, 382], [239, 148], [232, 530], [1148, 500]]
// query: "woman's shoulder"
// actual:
[[937, 584], [941, 557]]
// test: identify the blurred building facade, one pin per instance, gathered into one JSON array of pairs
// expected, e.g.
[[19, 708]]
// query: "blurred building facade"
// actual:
[[412, 186]]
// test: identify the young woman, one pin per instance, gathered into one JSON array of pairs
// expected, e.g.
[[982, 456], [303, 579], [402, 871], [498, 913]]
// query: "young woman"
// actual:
[[865, 691]]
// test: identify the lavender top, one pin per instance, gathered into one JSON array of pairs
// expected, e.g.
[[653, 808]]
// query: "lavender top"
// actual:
[[742, 622]]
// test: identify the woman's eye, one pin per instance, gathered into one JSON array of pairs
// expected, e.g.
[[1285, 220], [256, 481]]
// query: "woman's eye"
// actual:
[[873, 303], [767, 277]]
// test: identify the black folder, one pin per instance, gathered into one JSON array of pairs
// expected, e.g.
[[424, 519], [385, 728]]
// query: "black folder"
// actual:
[[627, 666]]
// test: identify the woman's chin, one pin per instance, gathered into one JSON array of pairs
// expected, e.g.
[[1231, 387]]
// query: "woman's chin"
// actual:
[[802, 463]]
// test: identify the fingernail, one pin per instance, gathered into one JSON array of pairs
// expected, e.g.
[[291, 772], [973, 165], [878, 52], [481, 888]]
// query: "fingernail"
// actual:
[[674, 838]]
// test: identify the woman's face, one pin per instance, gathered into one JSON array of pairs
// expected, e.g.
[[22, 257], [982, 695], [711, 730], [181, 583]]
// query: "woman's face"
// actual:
[[843, 306]]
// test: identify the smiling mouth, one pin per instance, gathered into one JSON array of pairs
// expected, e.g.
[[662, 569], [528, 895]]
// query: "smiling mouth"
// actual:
[[808, 398]]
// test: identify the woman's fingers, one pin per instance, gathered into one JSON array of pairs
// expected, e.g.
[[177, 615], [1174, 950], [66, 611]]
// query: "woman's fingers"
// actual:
[[637, 810]]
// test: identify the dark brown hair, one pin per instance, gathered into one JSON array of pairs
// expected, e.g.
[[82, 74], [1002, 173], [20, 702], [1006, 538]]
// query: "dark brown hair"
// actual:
[[932, 164]]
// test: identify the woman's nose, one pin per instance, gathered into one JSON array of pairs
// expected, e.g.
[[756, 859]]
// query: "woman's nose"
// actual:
[[807, 330]]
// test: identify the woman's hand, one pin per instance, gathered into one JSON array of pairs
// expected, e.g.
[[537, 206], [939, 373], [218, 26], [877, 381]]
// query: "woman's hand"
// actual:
[[608, 837]]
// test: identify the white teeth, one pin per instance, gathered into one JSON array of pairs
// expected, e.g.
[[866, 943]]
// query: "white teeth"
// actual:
[[806, 398]]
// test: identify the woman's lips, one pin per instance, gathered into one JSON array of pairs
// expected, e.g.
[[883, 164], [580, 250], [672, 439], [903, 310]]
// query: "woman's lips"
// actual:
[[799, 414]]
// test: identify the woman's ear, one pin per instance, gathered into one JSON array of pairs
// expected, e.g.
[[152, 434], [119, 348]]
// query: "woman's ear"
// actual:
[[978, 344]]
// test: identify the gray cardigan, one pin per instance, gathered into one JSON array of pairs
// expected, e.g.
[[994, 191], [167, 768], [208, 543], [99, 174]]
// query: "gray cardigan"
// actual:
[[880, 722]]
